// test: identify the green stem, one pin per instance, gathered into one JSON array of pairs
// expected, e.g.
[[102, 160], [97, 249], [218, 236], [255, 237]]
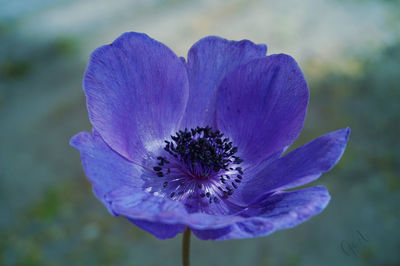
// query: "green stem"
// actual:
[[186, 247]]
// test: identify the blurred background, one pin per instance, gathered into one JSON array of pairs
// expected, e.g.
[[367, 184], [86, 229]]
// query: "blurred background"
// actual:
[[349, 51]]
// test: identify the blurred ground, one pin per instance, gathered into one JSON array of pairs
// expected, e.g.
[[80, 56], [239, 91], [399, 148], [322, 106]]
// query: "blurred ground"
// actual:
[[349, 51]]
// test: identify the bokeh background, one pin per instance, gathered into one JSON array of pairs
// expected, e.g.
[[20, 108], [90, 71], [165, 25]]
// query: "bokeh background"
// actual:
[[349, 51]]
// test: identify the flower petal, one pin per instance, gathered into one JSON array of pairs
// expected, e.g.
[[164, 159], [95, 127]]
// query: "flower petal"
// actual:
[[261, 106], [299, 167], [137, 205], [212, 234], [160, 230], [136, 90], [105, 168], [280, 211], [209, 60]]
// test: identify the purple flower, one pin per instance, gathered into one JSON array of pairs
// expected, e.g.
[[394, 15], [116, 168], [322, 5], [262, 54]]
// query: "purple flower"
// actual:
[[199, 143]]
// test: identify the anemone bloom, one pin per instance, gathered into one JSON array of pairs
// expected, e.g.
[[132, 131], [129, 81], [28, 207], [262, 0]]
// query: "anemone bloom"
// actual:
[[198, 144]]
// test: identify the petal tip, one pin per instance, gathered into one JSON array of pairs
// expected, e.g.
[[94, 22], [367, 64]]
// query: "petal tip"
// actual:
[[339, 141], [348, 132], [342, 136], [212, 40], [79, 140]]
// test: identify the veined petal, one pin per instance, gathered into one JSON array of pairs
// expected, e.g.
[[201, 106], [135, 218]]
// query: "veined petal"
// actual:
[[297, 168], [279, 211], [137, 205], [261, 106], [136, 90], [105, 168], [209, 60]]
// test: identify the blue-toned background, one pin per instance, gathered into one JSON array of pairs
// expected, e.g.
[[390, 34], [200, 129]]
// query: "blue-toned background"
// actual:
[[349, 51]]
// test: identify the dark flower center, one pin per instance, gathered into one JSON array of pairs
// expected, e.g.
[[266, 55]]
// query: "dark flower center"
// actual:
[[200, 163]]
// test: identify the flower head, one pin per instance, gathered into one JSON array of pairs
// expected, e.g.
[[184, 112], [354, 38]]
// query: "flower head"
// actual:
[[199, 143]]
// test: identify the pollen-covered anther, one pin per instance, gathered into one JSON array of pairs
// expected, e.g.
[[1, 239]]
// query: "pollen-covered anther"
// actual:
[[199, 163]]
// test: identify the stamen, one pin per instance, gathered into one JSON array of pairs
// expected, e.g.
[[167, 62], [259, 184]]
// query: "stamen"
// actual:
[[160, 174], [199, 163]]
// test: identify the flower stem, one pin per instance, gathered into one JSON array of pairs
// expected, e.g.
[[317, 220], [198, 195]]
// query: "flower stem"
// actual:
[[186, 247]]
